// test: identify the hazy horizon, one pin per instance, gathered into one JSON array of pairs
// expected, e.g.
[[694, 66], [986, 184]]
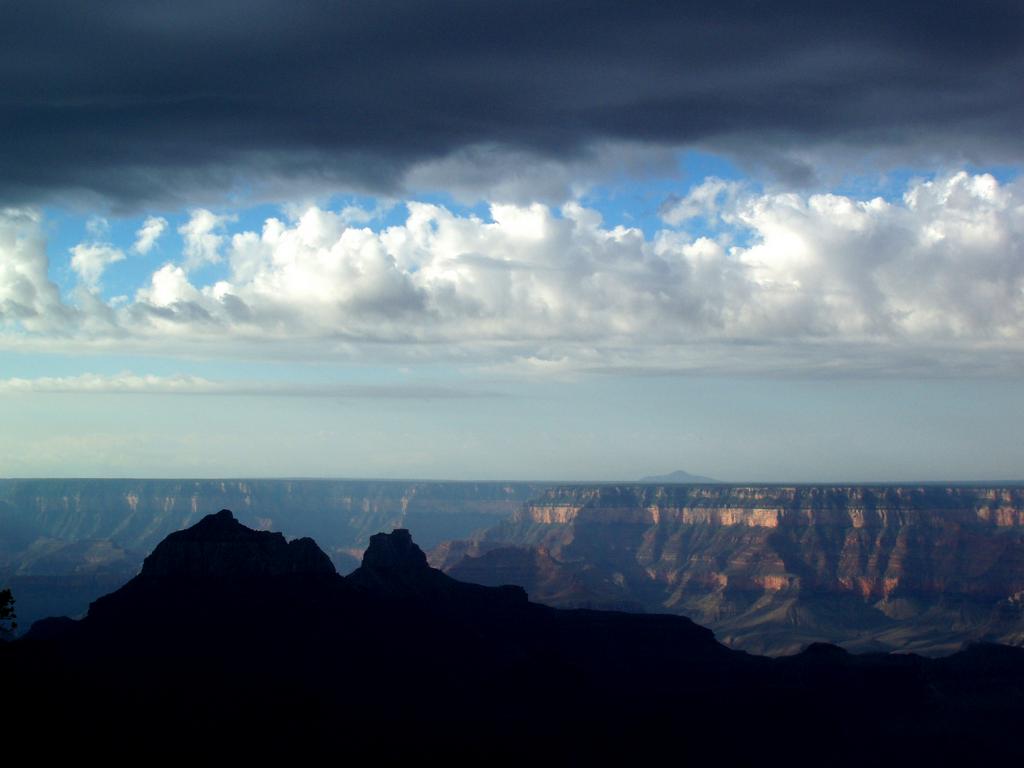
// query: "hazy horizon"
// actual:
[[527, 480]]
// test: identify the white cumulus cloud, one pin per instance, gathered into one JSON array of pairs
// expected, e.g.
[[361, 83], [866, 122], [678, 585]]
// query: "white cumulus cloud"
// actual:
[[147, 235], [774, 280], [89, 260], [203, 238], [28, 298], [706, 200]]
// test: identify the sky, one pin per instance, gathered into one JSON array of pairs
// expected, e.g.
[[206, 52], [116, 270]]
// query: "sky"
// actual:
[[762, 242]]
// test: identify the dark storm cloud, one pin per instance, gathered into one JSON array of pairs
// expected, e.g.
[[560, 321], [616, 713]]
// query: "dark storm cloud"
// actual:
[[149, 100]]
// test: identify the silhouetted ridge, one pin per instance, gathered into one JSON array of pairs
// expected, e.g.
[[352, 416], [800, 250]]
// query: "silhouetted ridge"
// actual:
[[228, 626], [218, 546]]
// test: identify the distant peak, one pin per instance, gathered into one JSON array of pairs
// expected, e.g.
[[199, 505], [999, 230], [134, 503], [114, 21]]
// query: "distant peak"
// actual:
[[679, 476], [394, 551]]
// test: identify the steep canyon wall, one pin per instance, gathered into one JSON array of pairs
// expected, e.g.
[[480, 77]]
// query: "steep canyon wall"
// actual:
[[771, 568]]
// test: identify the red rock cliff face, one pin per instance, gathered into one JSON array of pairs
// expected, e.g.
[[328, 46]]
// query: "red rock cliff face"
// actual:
[[861, 565]]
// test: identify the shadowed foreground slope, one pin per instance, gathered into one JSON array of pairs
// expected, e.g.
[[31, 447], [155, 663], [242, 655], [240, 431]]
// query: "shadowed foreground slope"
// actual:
[[238, 641]]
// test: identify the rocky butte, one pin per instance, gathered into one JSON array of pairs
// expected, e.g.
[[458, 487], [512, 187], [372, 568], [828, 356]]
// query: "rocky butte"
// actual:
[[233, 643]]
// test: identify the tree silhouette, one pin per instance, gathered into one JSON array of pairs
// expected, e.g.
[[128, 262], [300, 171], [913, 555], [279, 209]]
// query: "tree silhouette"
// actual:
[[7, 614]]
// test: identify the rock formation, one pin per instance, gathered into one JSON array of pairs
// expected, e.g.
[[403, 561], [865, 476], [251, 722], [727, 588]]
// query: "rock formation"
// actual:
[[218, 547], [774, 568], [770, 568], [236, 644], [65, 542]]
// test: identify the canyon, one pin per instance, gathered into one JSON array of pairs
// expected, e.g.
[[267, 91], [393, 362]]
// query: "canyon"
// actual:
[[770, 568]]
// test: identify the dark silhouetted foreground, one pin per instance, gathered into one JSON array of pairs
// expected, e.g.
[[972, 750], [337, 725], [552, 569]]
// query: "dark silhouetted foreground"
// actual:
[[239, 643]]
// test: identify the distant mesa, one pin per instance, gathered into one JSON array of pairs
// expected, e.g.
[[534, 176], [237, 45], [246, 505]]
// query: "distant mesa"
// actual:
[[679, 476]]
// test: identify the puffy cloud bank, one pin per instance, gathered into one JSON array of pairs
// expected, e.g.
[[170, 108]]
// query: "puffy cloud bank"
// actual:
[[737, 280]]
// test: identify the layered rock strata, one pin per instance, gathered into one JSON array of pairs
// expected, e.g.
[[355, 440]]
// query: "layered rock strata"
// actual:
[[773, 568]]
